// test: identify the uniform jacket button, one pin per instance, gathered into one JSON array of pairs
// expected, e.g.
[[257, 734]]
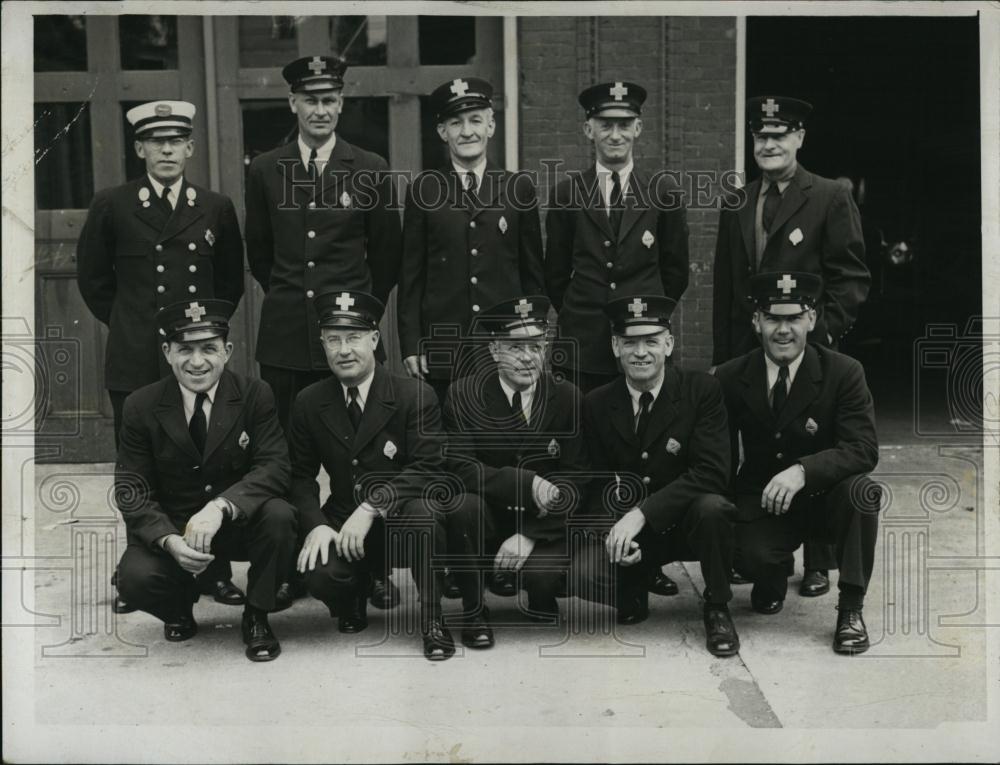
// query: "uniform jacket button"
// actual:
[[309, 293], [159, 248], [614, 286], [208, 488], [192, 289], [192, 246], [472, 224], [777, 435], [474, 251], [312, 205], [607, 243], [161, 289], [475, 307], [779, 455], [160, 269], [193, 268], [354, 463], [645, 455], [357, 487], [645, 479], [609, 264], [474, 280], [311, 264], [311, 234]]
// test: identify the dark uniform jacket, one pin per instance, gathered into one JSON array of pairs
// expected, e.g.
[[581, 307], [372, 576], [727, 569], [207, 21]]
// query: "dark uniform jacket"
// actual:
[[499, 461], [586, 266], [396, 453], [817, 229], [132, 260], [161, 480], [465, 254], [827, 423], [306, 237], [683, 455]]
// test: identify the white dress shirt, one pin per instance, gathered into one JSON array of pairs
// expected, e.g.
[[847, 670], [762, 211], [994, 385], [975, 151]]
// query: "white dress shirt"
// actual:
[[479, 170], [175, 192], [188, 397], [772, 374], [363, 387], [605, 182], [322, 152], [526, 397], [634, 394]]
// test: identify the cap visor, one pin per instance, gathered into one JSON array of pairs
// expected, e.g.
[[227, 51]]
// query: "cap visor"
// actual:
[[641, 330], [345, 322], [614, 111], [193, 335], [163, 132]]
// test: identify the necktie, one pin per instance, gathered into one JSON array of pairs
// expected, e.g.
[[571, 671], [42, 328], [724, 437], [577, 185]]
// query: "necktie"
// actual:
[[353, 407], [518, 409], [615, 206], [469, 186], [198, 427], [780, 393], [165, 200], [312, 163], [772, 201], [642, 419]]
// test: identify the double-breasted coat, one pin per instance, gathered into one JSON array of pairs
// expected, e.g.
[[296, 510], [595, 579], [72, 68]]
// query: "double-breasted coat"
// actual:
[[161, 479], [499, 460], [306, 236], [133, 259], [817, 228], [463, 254], [586, 265]]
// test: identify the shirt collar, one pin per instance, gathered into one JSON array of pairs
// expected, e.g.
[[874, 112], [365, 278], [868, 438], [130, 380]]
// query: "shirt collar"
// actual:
[[363, 387], [175, 191], [772, 370], [605, 172], [782, 183], [189, 396], [635, 393], [322, 152], [509, 392], [479, 170]]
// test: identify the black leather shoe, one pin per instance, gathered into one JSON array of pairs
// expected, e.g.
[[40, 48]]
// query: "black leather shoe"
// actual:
[[438, 643], [352, 615], [852, 635], [261, 643], [478, 633], [384, 594], [451, 589], [180, 629], [120, 606], [720, 633], [814, 583], [225, 592], [633, 610], [661, 584], [503, 583], [735, 577], [766, 606]]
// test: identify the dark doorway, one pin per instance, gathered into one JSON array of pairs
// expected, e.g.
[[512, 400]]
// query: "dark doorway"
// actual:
[[896, 110]]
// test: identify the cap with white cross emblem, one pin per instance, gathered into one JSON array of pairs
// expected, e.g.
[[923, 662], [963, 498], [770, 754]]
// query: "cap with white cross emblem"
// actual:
[[460, 95], [638, 315], [613, 99], [313, 74], [776, 115], [348, 309], [191, 320], [785, 287]]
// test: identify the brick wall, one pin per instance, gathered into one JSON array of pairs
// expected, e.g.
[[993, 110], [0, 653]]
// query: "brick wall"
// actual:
[[688, 66]]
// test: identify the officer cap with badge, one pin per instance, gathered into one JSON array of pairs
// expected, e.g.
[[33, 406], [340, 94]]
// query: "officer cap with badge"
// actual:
[[161, 119], [348, 309], [640, 315], [315, 74], [776, 115], [461, 95], [520, 318], [613, 99], [191, 320], [785, 292]]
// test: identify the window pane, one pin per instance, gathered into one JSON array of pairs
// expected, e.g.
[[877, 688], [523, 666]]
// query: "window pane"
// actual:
[[148, 42], [135, 166], [359, 40], [267, 40], [269, 124], [60, 43], [64, 173], [447, 39]]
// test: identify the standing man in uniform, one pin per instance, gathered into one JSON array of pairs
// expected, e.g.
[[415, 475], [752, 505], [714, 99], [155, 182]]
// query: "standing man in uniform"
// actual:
[[613, 230], [201, 472], [515, 439], [805, 419], [379, 438], [661, 432], [791, 220], [471, 238], [147, 244], [318, 214]]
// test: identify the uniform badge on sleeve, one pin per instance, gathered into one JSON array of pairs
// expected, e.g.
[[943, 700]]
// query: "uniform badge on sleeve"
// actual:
[[796, 236], [144, 196], [390, 449], [345, 200], [553, 448], [673, 446], [811, 427], [191, 195], [209, 237], [647, 238], [502, 225], [244, 441]]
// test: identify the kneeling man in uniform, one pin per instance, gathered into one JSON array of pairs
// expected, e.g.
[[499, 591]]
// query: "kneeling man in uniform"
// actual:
[[379, 438], [802, 417], [657, 440], [202, 467]]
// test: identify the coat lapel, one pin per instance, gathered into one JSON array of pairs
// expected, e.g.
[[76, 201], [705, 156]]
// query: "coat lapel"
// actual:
[[152, 215], [225, 411], [635, 202], [499, 412], [336, 172], [295, 175], [805, 388], [494, 180], [620, 407], [170, 414], [664, 408], [333, 413], [755, 387], [746, 216], [593, 205], [184, 215], [379, 409], [794, 197]]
